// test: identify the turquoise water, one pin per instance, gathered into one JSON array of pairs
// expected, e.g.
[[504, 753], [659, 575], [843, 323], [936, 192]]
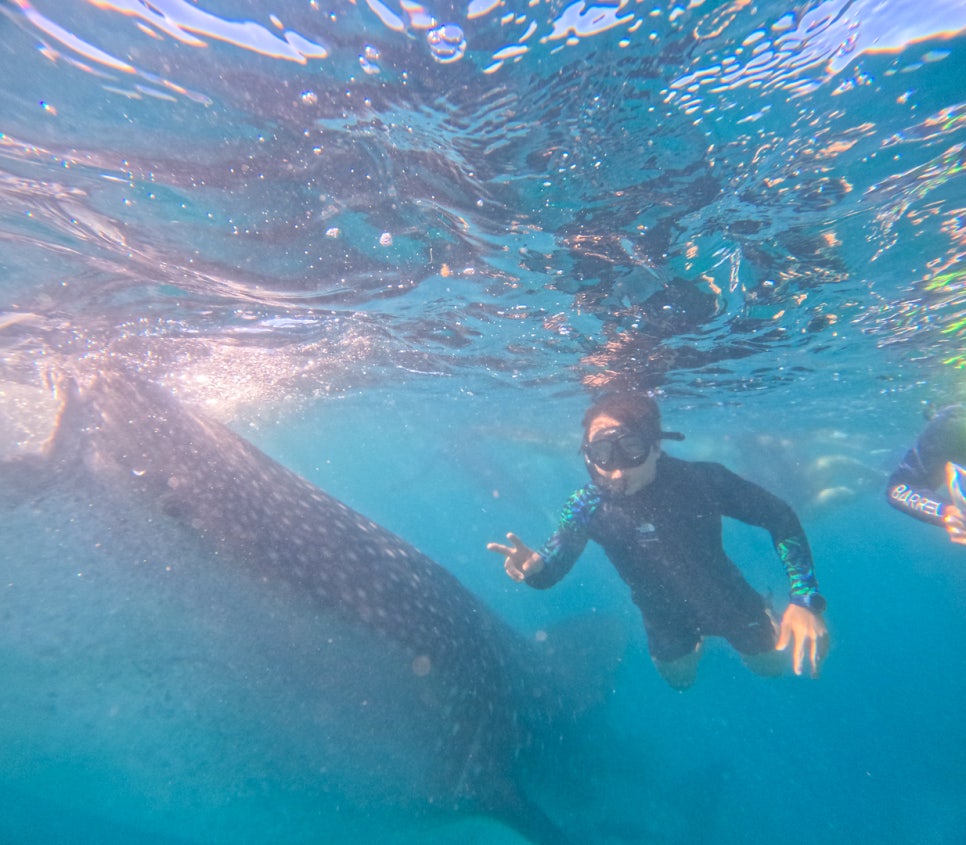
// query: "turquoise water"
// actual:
[[872, 750], [399, 248]]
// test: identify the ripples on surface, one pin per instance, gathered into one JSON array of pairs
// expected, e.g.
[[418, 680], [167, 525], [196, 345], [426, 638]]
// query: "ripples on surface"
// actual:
[[693, 195]]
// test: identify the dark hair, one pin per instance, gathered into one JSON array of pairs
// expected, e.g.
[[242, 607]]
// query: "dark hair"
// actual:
[[636, 411]]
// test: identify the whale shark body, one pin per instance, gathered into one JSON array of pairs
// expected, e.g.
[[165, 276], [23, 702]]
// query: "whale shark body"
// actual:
[[202, 645]]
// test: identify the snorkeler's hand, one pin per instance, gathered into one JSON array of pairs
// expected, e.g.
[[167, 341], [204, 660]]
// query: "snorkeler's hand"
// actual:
[[954, 515], [955, 524], [804, 630], [520, 561]]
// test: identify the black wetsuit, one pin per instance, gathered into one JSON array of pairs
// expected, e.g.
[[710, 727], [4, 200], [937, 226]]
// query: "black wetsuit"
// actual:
[[923, 469], [665, 542]]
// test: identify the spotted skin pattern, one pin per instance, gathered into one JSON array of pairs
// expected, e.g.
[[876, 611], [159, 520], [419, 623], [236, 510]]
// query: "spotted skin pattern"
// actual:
[[458, 667]]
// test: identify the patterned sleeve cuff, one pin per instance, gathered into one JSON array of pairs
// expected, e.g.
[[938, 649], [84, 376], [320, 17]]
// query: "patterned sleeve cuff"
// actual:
[[812, 601]]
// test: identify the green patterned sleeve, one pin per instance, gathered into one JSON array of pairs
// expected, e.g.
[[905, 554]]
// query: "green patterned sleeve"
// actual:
[[796, 557]]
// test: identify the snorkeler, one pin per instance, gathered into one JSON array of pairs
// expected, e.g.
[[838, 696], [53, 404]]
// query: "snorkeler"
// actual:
[[658, 519], [935, 463]]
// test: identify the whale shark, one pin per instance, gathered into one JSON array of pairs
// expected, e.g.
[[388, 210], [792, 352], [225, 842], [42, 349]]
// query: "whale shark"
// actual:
[[201, 644]]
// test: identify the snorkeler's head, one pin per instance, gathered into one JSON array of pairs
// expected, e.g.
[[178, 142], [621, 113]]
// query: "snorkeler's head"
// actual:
[[621, 433], [636, 412]]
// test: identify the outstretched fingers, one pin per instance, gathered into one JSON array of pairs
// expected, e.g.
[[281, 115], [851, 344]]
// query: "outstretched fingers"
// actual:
[[813, 656], [506, 551], [798, 655], [516, 542], [806, 633], [516, 557], [798, 649]]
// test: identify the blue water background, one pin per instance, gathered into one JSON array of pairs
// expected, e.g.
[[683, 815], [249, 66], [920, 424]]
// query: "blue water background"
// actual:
[[873, 751], [423, 398]]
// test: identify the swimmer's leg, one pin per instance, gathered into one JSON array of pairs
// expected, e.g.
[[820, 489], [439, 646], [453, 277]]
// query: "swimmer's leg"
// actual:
[[768, 663], [681, 672]]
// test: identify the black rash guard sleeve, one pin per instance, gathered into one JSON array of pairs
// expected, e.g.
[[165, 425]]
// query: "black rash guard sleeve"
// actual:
[[745, 501]]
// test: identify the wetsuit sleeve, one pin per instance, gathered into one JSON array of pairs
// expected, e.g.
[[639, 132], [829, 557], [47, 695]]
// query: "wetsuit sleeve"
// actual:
[[745, 501], [567, 543], [911, 487], [910, 490]]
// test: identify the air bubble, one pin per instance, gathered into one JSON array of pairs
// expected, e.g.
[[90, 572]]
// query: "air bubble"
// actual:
[[447, 43]]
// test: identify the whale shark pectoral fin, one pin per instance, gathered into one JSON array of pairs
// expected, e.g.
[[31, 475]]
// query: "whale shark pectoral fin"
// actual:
[[956, 483]]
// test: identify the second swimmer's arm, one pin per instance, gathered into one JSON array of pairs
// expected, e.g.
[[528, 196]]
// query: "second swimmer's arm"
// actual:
[[954, 516], [918, 502]]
